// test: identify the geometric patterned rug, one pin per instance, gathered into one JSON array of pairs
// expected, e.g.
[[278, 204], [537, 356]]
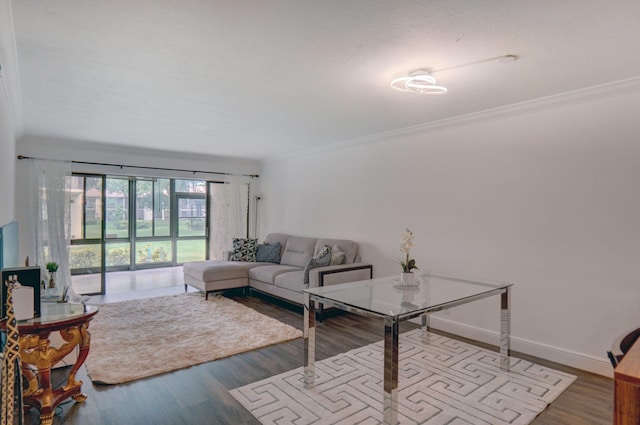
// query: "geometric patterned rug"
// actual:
[[443, 382]]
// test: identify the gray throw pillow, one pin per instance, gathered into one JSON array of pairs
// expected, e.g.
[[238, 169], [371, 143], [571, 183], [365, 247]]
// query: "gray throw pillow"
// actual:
[[244, 249], [268, 253], [322, 259]]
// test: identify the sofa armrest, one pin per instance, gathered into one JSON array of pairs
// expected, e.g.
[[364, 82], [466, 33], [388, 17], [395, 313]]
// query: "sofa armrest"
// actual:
[[342, 273]]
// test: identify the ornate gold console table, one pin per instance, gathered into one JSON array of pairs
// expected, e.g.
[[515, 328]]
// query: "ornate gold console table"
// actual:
[[72, 321]]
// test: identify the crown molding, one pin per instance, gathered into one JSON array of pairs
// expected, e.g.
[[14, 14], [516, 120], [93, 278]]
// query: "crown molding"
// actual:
[[589, 94]]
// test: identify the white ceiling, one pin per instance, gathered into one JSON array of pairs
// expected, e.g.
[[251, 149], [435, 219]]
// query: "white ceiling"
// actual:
[[257, 78]]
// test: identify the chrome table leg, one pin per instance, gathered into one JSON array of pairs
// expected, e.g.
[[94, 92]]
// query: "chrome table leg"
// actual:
[[425, 328], [309, 342], [505, 329], [390, 402]]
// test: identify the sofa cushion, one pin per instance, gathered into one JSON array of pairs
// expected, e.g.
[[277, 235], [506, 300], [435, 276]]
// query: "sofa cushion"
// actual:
[[268, 273], [244, 249], [350, 248], [291, 280], [268, 253], [298, 251], [213, 270]]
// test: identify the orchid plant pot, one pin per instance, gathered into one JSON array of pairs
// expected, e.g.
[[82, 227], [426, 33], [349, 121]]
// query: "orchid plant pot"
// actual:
[[407, 278]]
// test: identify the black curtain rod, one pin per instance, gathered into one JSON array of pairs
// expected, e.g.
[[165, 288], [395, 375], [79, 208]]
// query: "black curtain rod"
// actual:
[[148, 168]]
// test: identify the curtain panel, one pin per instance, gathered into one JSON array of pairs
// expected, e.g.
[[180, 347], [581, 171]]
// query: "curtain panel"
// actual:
[[229, 212], [49, 200]]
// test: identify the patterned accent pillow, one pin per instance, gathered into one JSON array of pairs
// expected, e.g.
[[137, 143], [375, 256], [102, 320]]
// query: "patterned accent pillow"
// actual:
[[322, 259], [244, 249], [268, 253]]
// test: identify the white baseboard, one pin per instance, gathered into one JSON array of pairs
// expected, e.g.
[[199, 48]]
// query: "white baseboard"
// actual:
[[600, 366]]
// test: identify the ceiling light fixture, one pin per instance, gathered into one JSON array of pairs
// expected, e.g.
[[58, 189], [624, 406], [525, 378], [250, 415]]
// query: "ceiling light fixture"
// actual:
[[421, 81], [418, 82], [507, 59]]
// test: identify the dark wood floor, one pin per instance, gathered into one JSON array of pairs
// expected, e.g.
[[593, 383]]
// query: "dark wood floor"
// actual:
[[200, 394]]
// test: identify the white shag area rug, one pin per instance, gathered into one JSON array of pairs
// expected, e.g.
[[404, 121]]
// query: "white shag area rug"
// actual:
[[140, 338], [443, 382]]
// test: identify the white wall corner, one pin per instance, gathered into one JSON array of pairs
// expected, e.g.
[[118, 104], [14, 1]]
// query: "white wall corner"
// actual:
[[600, 366], [9, 61]]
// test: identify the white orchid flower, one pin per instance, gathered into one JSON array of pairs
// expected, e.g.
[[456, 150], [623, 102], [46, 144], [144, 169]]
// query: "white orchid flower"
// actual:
[[406, 241]]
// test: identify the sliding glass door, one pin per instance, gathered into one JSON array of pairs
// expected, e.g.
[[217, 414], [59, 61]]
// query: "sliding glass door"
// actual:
[[117, 224], [128, 223], [190, 202], [86, 254], [153, 244]]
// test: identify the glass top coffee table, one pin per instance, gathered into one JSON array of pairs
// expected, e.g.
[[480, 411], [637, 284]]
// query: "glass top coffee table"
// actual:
[[388, 299]]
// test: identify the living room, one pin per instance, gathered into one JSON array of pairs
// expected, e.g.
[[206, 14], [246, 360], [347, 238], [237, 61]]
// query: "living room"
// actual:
[[539, 191]]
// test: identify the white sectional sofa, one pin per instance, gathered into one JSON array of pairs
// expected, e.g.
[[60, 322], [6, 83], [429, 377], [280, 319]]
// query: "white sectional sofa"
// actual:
[[284, 279]]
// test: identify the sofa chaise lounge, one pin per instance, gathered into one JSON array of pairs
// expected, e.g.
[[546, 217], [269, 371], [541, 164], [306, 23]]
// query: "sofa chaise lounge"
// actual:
[[283, 279]]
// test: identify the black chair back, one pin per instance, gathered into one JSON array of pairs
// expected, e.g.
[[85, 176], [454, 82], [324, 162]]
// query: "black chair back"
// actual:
[[621, 345]]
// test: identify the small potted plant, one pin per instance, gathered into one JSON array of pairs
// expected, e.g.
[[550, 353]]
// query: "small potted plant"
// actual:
[[408, 263], [52, 268]]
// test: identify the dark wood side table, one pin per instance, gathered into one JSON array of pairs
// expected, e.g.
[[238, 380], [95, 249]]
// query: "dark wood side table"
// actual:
[[72, 321], [627, 388]]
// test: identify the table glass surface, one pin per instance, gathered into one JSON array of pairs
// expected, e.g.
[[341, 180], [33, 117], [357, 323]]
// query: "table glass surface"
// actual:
[[53, 312], [382, 296]]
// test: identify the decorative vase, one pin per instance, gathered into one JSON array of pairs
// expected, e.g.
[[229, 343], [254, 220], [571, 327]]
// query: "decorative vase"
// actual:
[[52, 280], [65, 294], [407, 278]]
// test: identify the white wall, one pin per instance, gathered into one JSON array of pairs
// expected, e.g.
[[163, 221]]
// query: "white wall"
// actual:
[[7, 159], [544, 195], [9, 105]]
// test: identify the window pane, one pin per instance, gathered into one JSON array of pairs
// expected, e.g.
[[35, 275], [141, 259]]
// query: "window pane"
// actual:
[[192, 207], [93, 208], [191, 227], [144, 208], [86, 207], [117, 208], [76, 207], [191, 186], [162, 208], [84, 256], [148, 252], [190, 250], [84, 262], [192, 213], [118, 254]]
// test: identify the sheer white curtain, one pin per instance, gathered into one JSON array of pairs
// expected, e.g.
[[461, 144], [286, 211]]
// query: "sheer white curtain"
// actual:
[[49, 202], [239, 207], [228, 214]]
